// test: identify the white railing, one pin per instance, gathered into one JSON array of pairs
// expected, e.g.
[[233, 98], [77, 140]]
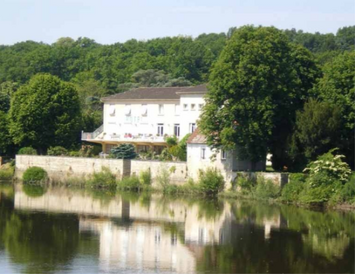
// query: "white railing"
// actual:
[[92, 135]]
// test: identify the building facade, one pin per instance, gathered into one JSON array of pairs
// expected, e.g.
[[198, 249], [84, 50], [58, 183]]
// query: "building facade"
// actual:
[[144, 117]]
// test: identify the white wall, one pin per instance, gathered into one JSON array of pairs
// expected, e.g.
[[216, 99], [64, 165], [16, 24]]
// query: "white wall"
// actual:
[[196, 163], [136, 123], [120, 123], [190, 116], [64, 168]]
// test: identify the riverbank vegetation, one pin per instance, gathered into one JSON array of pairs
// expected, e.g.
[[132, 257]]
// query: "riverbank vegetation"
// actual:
[[325, 182]]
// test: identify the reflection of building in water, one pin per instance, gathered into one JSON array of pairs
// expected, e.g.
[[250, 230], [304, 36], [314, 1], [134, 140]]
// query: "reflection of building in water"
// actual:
[[208, 230], [136, 235], [140, 246]]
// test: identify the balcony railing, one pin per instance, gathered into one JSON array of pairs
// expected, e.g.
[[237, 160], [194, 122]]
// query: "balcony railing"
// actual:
[[92, 135]]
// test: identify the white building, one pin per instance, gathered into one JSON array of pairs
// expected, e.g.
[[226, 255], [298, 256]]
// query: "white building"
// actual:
[[199, 156], [144, 116]]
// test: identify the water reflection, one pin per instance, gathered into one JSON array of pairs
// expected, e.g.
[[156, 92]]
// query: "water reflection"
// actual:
[[66, 230]]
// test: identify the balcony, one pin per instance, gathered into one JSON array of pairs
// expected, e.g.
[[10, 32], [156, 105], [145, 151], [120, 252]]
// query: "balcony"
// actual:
[[100, 136]]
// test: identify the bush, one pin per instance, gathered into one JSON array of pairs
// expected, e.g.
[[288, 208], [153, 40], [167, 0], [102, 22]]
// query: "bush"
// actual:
[[130, 183], [57, 151], [347, 193], [35, 175], [74, 154], [266, 189], [292, 190], [7, 173], [245, 184], [211, 181], [27, 151], [163, 178], [124, 151], [145, 178], [326, 180], [103, 179]]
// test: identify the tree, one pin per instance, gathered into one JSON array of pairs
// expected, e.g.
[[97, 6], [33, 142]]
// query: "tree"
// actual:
[[338, 89], [124, 151], [316, 132], [6, 146], [255, 88], [45, 112], [6, 91]]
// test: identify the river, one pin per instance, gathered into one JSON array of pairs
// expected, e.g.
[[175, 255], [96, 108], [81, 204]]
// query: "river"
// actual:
[[61, 230]]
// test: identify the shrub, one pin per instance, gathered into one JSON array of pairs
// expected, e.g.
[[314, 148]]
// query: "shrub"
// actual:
[[348, 191], [171, 141], [211, 181], [145, 178], [130, 183], [74, 154], [35, 175], [124, 151], [245, 184], [27, 151], [328, 168], [163, 178], [326, 178], [57, 151], [103, 179], [266, 189], [320, 194], [291, 191], [7, 173]]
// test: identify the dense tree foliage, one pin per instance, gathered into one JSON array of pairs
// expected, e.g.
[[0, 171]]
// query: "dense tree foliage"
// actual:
[[330, 124], [316, 132], [99, 70], [45, 112], [256, 86], [114, 65]]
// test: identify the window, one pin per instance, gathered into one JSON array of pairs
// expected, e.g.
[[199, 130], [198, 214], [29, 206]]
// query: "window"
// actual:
[[144, 110], [186, 107], [127, 110], [223, 155], [200, 106], [161, 109], [193, 106], [192, 127], [112, 110], [160, 129], [177, 109], [203, 153], [177, 130]]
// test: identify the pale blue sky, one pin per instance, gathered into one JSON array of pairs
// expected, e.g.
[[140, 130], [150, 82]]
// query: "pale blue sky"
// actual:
[[110, 21]]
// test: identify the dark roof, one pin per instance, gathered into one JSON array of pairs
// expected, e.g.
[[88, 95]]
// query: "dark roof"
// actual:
[[156, 93], [196, 138]]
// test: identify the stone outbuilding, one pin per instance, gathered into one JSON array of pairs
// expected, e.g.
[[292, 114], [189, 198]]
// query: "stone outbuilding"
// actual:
[[200, 156]]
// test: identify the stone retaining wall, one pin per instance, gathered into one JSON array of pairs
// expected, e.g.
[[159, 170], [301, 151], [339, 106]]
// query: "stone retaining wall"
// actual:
[[177, 170], [61, 169]]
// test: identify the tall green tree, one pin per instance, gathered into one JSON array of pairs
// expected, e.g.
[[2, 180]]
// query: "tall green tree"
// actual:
[[255, 88], [45, 112], [337, 87], [316, 132]]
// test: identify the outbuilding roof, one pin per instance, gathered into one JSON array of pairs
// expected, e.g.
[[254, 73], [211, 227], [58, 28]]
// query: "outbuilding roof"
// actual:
[[197, 138], [156, 93]]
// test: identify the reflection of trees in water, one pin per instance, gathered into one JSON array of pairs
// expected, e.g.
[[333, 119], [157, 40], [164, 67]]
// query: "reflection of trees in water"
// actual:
[[327, 233], [40, 242], [306, 241]]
